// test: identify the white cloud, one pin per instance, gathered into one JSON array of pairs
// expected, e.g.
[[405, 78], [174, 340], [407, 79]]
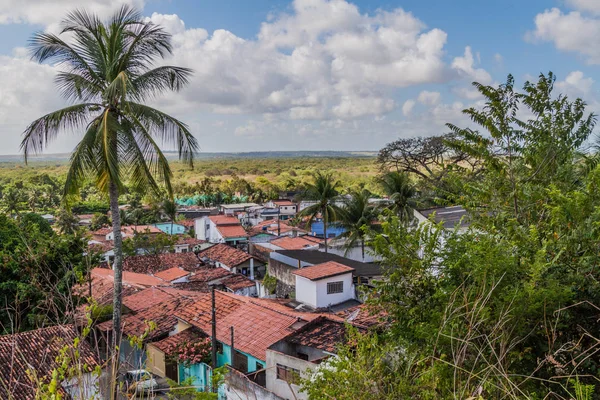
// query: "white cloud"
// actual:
[[407, 107], [498, 58], [323, 60], [429, 98], [575, 84], [592, 6], [465, 66], [571, 32], [46, 13]]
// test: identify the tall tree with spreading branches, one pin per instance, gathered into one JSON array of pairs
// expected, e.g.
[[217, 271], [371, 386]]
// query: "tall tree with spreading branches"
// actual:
[[107, 72]]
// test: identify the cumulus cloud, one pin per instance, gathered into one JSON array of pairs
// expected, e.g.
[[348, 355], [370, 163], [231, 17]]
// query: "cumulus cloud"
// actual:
[[572, 32], [322, 60], [592, 6], [576, 84], [47, 13], [465, 66], [429, 98], [407, 107]]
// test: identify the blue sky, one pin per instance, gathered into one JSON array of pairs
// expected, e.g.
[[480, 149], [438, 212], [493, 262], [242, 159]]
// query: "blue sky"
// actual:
[[322, 74]]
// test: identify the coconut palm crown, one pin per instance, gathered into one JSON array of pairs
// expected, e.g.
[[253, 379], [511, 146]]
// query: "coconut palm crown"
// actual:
[[107, 70], [322, 193]]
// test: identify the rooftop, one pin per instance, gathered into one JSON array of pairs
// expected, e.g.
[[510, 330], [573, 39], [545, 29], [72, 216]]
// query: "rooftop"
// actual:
[[272, 226], [237, 282], [209, 274], [225, 254], [131, 229], [449, 216], [38, 349], [129, 278], [169, 344], [172, 274], [152, 264], [321, 333], [237, 205], [318, 257], [322, 271], [257, 325], [296, 243], [224, 220], [232, 231]]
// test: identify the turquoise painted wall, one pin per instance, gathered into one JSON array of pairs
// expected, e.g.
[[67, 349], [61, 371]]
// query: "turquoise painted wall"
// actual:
[[199, 372], [166, 228], [225, 358]]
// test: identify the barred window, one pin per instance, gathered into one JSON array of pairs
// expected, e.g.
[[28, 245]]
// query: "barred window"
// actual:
[[290, 375], [335, 287]]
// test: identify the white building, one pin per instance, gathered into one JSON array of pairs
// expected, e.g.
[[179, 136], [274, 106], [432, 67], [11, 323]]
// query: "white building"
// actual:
[[324, 285], [287, 209], [220, 229]]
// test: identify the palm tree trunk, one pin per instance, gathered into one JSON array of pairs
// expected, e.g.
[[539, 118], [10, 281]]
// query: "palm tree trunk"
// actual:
[[325, 229], [362, 245], [113, 192]]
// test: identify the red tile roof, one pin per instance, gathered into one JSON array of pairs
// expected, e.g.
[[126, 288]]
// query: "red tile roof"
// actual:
[[143, 299], [209, 274], [225, 254], [172, 274], [161, 313], [237, 282], [296, 243], [322, 333], [168, 344], [189, 240], [233, 231], [187, 222], [367, 316], [152, 264], [322, 271], [224, 220], [256, 324], [283, 203], [37, 349], [270, 226], [129, 278]]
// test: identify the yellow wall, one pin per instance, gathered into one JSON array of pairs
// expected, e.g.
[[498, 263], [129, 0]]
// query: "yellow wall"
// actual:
[[182, 326], [155, 361]]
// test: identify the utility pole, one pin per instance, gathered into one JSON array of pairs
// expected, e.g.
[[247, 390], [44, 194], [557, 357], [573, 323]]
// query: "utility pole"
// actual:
[[232, 347], [214, 329]]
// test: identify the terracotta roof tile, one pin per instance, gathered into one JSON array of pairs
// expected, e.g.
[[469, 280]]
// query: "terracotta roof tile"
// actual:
[[296, 243], [186, 336], [38, 349], [225, 254], [322, 271], [209, 274], [233, 231], [129, 278], [132, 229], [271, 227], [321, 333], [162, 313], [221, 220], [189, 240], [257, 324], [172, 274], [187, 222], [237, 282], [152, 264]]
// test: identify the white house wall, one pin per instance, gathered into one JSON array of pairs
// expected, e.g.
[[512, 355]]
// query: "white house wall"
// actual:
[[324, 300], [306, 291]]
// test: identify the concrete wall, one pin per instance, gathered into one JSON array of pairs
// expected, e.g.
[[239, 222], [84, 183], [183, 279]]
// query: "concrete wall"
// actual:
[[282, 388], [282, 270], [324, 299], [238, 387], [306, 291], [211, 235]]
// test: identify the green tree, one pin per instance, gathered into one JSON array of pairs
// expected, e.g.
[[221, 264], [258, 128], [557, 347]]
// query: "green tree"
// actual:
[[12, 198], [356, 217], [169, 208], [108, 72], [99, 220], [66, 222], [401, 192], [323, 193]]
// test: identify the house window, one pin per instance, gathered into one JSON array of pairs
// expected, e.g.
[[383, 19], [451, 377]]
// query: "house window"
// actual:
[[184, 250], [220, 347], [290, 375], [259, 366], [240, 362], [335, 287]]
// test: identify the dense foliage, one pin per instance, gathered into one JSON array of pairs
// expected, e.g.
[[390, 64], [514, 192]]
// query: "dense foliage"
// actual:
[[509, 307], [38, 269]]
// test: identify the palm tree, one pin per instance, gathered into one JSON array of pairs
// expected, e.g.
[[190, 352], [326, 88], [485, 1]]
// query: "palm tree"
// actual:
[[357, 214], [401, 193], [107, 73], [66, 222], [169, 207], [12, 199], [323, 192]]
